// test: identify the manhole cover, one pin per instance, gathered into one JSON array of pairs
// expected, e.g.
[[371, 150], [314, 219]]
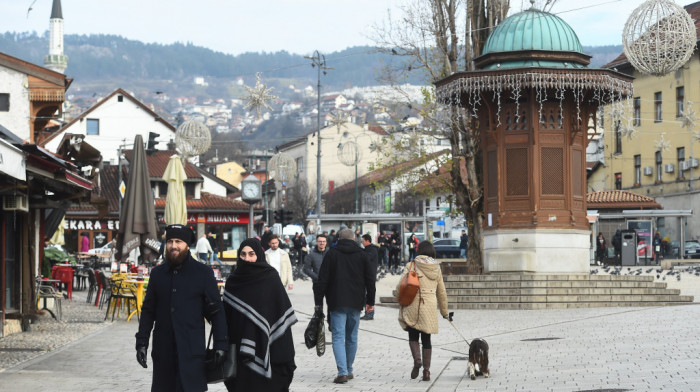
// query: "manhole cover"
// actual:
[[17, 349], [538, 339]]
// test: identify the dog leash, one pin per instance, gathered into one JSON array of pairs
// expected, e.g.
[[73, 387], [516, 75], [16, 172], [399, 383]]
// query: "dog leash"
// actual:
[[455, 327]]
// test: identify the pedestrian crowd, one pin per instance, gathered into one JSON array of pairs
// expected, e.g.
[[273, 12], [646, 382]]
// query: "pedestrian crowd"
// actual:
[[250, 344]]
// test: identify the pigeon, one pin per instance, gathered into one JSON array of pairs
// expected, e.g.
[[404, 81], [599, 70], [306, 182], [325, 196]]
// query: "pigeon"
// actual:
[[649, 270]]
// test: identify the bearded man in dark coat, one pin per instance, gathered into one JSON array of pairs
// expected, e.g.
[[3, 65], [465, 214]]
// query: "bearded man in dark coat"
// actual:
[[181, 294]]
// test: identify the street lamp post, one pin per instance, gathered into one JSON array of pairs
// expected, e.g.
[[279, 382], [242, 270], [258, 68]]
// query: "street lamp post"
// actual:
[[319, 62], [349, 154]]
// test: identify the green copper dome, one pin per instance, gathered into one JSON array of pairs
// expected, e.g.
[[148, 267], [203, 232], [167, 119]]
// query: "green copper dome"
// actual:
[[532, 30]]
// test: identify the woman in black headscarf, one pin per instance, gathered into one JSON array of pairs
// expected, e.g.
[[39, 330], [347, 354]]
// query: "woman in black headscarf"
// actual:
[[259, 316]]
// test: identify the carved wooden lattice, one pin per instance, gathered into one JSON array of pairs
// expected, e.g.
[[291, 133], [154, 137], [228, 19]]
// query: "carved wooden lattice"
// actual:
[[576, 172], [492, 157], [515, 120], [552, 171], [516, 172], [550, 117]]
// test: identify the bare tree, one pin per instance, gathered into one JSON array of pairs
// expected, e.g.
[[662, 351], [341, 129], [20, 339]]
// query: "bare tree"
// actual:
[[300, 199], [439, 38]]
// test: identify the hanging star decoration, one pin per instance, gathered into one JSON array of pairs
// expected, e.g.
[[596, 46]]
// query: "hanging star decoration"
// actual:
[[339, 120], [662, 144], [259, 96], [378, 146], [688, 118], [629, 131]]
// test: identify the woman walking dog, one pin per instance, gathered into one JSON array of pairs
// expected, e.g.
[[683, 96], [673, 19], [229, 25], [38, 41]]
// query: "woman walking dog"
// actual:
[[420, 317]]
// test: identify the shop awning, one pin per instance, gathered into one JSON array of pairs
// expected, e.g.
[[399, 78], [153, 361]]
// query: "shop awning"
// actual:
[[12, 161]]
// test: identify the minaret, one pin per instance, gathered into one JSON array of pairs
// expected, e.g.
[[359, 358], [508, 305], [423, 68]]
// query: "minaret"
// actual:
[[56, 60]]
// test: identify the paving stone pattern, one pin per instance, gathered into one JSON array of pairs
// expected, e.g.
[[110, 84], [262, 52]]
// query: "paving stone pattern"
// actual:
[[586, 349]]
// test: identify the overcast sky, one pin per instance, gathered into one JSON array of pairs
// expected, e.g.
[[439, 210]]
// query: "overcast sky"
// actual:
[[298, 26]]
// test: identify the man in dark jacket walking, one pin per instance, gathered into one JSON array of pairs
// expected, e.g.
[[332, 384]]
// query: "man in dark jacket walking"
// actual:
[[312, 262], [181, 293], [463, 244], [373, 253], [346, 280]]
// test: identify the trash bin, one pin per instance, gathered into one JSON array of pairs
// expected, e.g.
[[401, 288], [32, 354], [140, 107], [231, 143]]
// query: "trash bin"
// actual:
[[629, 247]]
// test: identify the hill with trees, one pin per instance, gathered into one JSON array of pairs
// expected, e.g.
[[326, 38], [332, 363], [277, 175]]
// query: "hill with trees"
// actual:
[[96, 60]]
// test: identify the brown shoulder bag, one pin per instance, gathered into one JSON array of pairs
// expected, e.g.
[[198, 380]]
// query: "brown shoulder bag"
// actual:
[[409, 287]]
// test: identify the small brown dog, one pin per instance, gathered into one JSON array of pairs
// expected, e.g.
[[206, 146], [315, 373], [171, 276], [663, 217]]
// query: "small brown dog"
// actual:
[[478, 358]]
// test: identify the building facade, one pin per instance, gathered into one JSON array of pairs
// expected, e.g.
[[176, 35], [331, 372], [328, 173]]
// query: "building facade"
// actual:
[[647, 150]]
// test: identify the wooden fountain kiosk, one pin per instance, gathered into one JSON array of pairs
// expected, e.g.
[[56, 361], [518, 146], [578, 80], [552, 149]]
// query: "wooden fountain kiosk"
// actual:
[[534, 102]]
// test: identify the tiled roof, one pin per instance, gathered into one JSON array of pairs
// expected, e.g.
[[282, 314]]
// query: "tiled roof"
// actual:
[[692, 9], [91, 109], [377, 129], [209, 202], [108, 190], [158, 161], [443, 179], [621, 200]]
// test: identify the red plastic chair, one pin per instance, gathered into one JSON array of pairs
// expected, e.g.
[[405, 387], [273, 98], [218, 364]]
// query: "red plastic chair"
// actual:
[[65, 275], [99, 286]]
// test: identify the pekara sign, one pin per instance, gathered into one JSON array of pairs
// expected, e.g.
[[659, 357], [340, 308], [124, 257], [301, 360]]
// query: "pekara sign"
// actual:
[[91, 224]]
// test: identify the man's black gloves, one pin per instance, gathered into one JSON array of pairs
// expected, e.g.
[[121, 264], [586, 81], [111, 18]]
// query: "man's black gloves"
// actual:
[[141, 355], [219, 357]]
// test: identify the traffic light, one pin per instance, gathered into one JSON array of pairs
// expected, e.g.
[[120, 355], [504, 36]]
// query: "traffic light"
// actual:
[[286, 217], [151, 145], [278, 215]]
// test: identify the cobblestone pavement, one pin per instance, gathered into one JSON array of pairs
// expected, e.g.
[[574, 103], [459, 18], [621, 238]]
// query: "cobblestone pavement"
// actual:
[[46, 334], [599, 349]]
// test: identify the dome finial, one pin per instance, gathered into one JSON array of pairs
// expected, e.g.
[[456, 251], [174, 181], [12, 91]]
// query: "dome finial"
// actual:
[[532, 4]]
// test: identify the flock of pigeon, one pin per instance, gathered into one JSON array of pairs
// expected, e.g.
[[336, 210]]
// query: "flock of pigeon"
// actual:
[[660, 274]]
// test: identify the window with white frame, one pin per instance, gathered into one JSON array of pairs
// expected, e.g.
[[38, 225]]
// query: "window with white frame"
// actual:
[[92, 126]]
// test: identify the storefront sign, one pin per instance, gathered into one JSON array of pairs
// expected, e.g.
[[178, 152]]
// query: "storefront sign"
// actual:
[[90, 224], [213, 218]]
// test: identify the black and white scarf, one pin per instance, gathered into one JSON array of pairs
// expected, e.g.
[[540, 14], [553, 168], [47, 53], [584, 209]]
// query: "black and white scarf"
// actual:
[[259, 314]]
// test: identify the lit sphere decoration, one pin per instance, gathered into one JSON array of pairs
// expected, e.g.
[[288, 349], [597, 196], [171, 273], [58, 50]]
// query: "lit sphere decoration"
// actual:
[[192, 138], [659, 37], [349, 153], [281, 167]]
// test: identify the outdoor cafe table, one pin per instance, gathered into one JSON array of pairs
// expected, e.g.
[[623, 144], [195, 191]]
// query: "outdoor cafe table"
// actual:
[[139, 293]]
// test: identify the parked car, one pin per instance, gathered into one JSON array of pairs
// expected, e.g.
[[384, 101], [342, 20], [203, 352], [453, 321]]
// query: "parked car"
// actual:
[[446, 248], [692, 249]]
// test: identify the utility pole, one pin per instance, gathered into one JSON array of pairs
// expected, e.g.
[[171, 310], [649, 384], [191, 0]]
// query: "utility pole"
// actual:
[[319, 62]]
